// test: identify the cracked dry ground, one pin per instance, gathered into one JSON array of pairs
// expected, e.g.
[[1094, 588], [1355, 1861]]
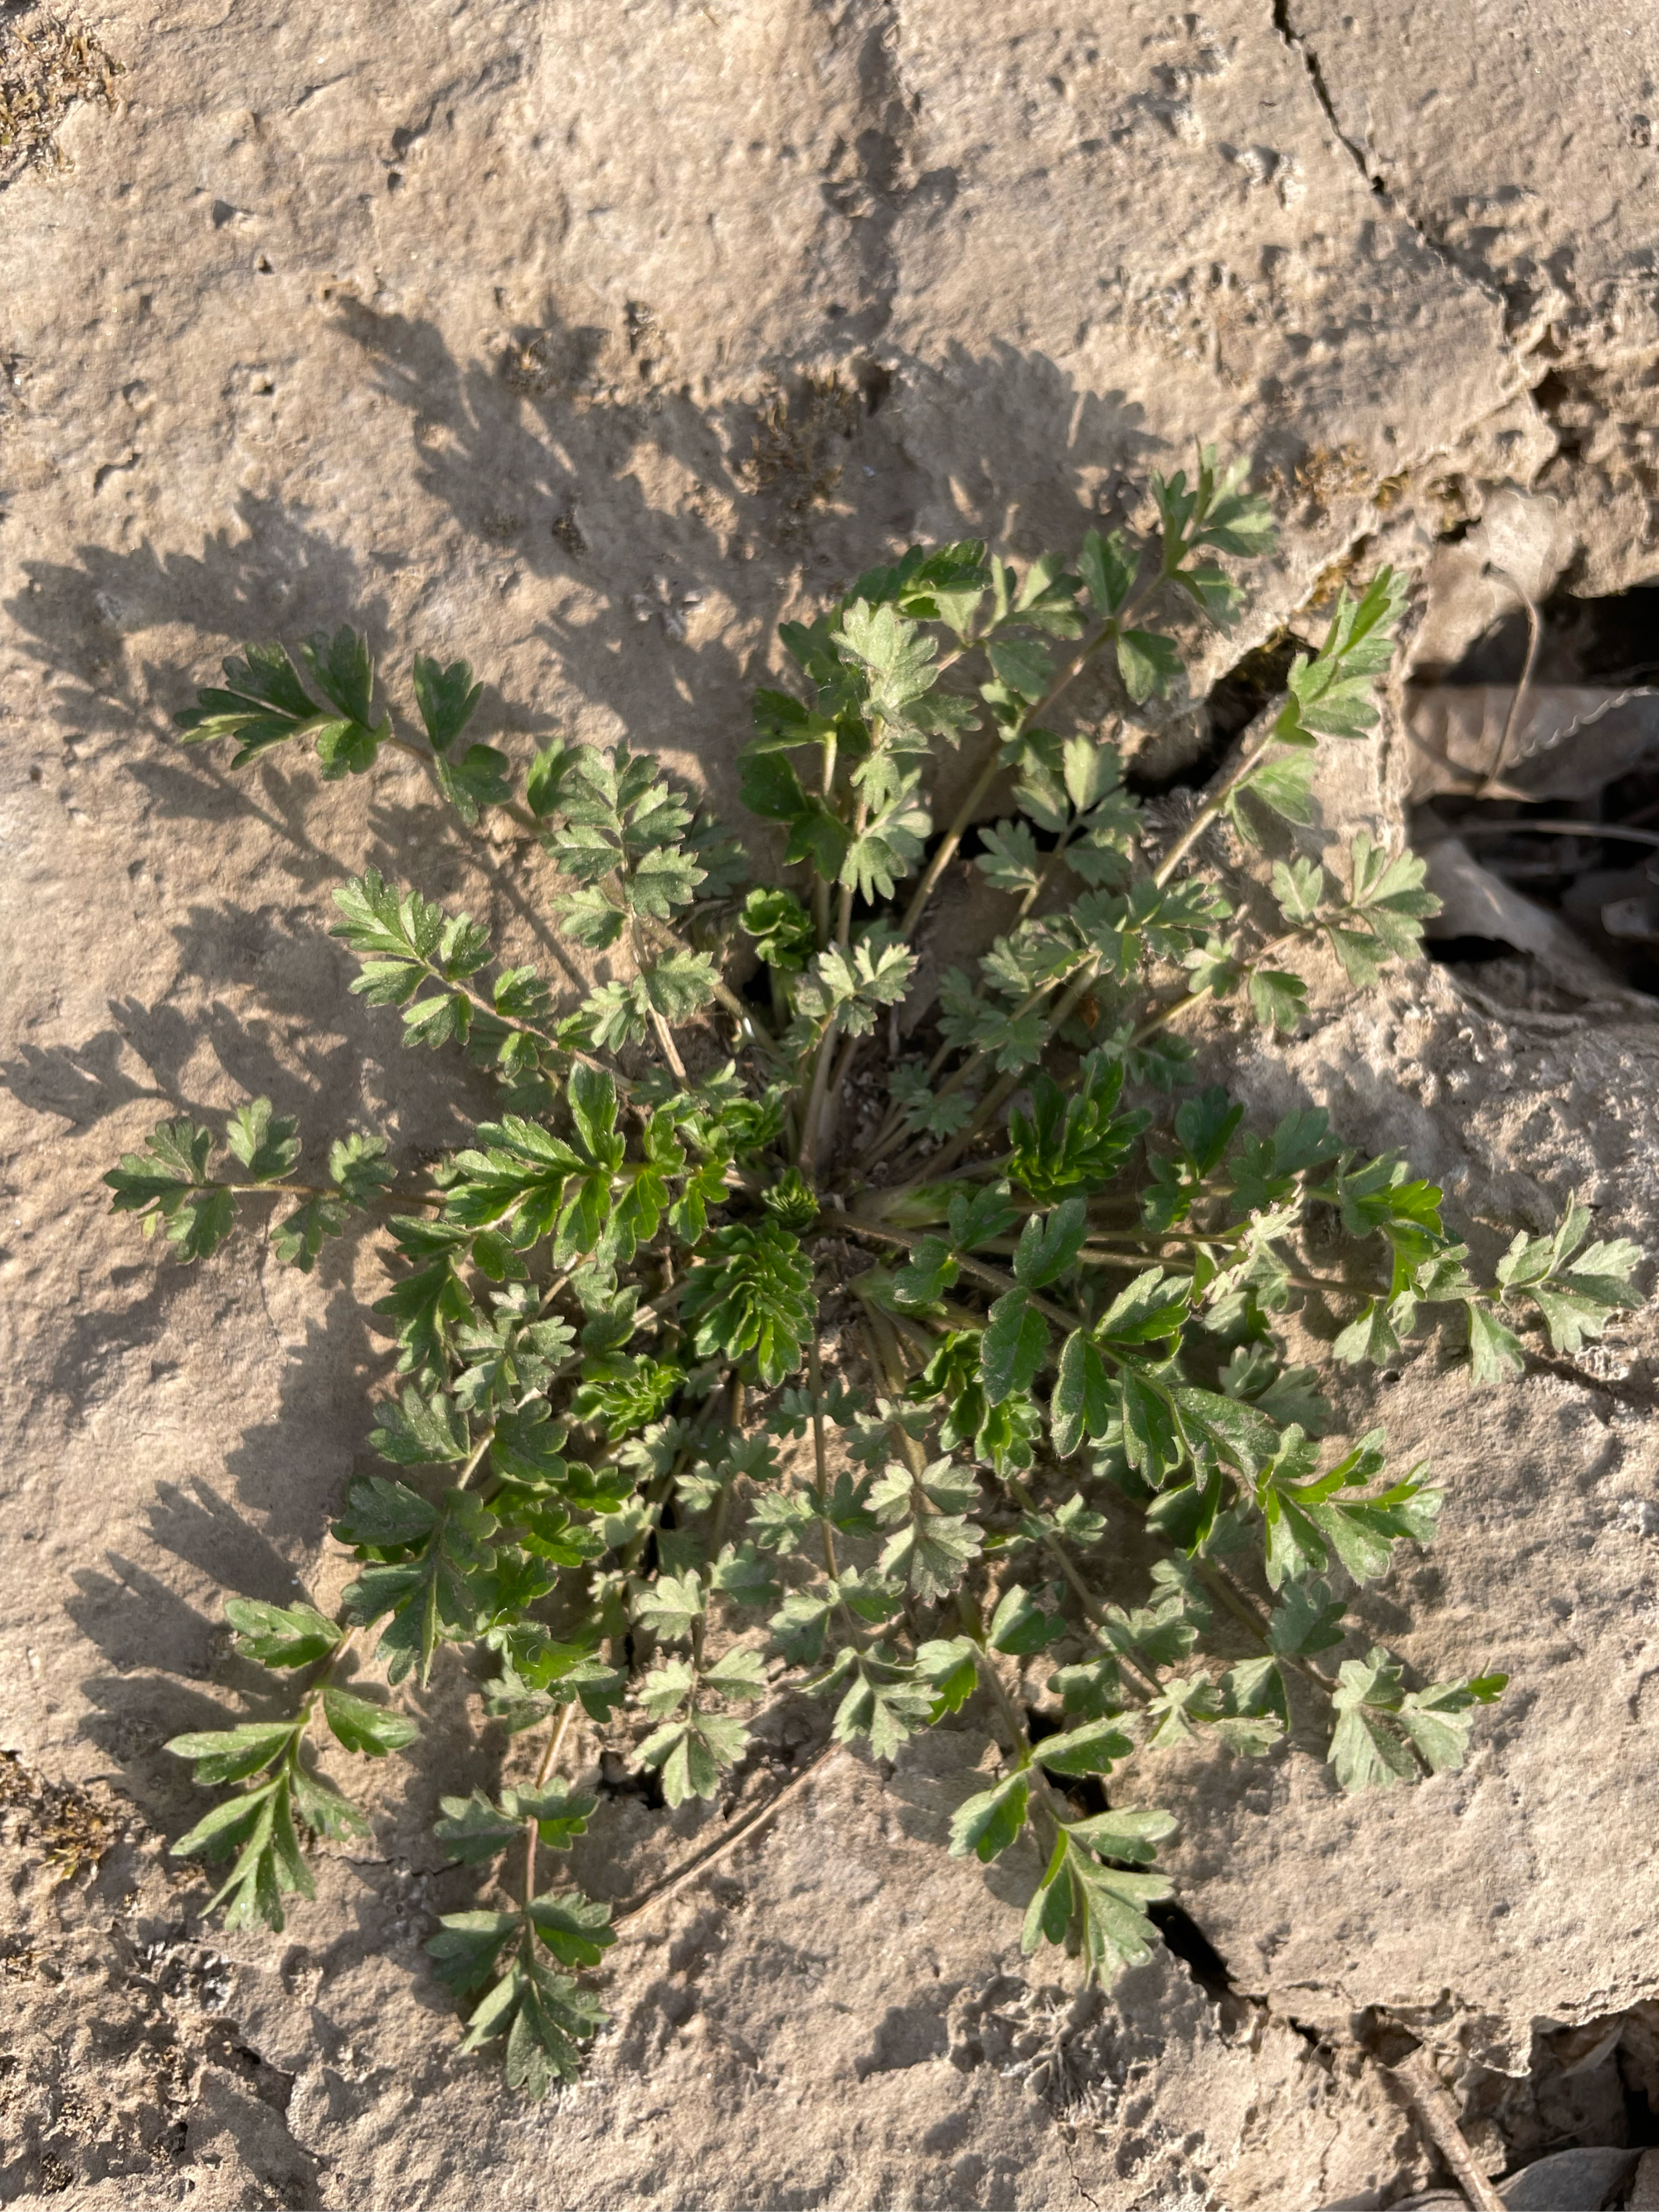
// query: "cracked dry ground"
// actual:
[[138, 2064], [591, 342]]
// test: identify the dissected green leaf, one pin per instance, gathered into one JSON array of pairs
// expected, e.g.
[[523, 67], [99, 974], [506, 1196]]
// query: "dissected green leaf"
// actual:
[[987, 1824], [1101, 1906], [1092, 1749], [1148, 663], [231, 1754], [752, 1298], [281, 1636], [168, 1183], [1013, 1347], [364, 1726], [440, 1592]]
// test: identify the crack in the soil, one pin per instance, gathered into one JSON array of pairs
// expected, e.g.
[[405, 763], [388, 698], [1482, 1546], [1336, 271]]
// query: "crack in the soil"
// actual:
[[1315, 75], [1375, 182], [1078, 2183]]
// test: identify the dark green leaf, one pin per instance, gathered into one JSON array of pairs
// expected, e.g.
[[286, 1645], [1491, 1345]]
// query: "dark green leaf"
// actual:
[[751, 1297], [1084, 1400], [1154, 1306], [1020, 1627], [1027, 668], [1109, 570], [1013, 1347], [573, 1928], [1278, 999], [1110, 1918], [232, 1754], [473, 1830], [281, 1636], [342, 671], [384, 1515], [1148, 663], [447, 698], [479, 777], [1092, 1749], [1048, 1244], [364, 1726], [1495, 1352], [1152, 1441], [439, 1594], [467, 1945], [1367, 1752], [1308, 1619], [266, 1145], [264, 704], [419, 1430], [987, 1824], [931, 1554]]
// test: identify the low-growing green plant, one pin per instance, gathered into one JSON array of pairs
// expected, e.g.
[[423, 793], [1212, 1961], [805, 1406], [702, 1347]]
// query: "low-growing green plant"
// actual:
[[712, 1384]]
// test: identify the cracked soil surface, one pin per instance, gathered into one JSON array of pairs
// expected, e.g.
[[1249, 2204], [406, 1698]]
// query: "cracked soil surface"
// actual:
[[590, 341]]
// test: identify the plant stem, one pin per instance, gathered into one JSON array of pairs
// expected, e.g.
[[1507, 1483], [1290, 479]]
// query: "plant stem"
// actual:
[[973, 1172], [1247, 968], [530, 1030], [807, 1157], [1004, 1705], [1236, 1601], [476, 1456], [1212, 807], [666, 1039], [324, 1675], [664, 1035], [1493, 784], [962, 821], [887, 1136], [815, 1382], [699, 1626], [994, 1276], [1147, 1241], [821, 883], [724, 994], [844, 1066], [987, 1106], [544, 1767], [329, 1190], [704, 1860], [889, 1365], [1027, 1759], [1005, 1248], [1439, 2114], [670, 1050], [844, 919], [722, 1503], [1045, 875], [550, 1757], [820, 1454], [1069, 1568]]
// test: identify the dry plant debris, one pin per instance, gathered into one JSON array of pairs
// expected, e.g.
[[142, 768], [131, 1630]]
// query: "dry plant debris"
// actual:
[[55, 1823], [46, 66], [795, 435]]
